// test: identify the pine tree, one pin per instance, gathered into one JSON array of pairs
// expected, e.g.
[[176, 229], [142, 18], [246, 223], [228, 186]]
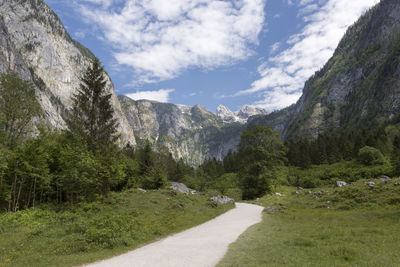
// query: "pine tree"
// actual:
[[92, 116]]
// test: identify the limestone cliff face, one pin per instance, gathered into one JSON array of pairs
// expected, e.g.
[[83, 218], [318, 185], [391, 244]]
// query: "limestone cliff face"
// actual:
[[35, 44], [358, 87], [191, 133], [360, 84], [241, 116]]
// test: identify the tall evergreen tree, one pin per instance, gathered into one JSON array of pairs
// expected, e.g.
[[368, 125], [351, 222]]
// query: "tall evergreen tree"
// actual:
[[92, 116]]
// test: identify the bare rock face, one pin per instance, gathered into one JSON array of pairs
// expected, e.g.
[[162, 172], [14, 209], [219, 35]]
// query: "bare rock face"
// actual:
[[240, 116], [191, 133], [35, 44]]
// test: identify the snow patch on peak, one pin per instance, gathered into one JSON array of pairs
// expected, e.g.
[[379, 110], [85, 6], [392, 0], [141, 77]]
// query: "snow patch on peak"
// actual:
[[240, 116]]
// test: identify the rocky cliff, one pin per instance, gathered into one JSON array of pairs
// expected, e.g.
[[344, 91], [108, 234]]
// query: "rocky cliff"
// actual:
[[35, 44], [358, 87], [191, 133], [241, 116]]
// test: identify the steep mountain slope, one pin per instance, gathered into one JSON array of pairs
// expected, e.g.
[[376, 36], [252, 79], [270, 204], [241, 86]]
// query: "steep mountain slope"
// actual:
[[34, 43], [191, 133], [360, 84], [358, 87]]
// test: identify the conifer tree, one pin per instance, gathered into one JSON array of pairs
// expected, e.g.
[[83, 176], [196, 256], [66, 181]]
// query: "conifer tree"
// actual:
[[92, 116]]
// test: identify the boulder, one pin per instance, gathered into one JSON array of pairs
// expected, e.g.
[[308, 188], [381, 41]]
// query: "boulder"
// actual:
[[223, 200], [397, 184], [370, 184], [300, 188], [142, 190], [385, 179], [279, 194], [273, 209], [340, 184], [182, 188]]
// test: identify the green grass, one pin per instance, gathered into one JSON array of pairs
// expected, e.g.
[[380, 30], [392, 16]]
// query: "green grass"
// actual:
[[360, 228], [86, 232]]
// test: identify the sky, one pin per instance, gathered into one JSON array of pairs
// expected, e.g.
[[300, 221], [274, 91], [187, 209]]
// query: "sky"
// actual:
[[211, 52]]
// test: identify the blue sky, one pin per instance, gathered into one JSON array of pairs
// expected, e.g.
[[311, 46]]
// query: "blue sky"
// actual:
[[211, 52]]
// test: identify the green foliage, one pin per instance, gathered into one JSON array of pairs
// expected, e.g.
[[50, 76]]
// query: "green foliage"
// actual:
[[72, 235], [370, 156], [395, 157], [91, 119], [260, 153], [18, 107]]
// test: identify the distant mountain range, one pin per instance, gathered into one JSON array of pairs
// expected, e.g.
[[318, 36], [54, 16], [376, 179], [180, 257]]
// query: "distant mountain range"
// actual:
[[358, 86]]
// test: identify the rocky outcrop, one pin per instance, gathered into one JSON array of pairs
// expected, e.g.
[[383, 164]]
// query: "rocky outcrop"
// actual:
[[182, 188], [35, 44], [241, 116], [191, 133], [223, 200]]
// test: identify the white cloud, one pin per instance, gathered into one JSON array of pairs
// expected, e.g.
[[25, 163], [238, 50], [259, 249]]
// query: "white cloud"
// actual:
[[160, 39], [282, 76], [80, 34], [161, 95]]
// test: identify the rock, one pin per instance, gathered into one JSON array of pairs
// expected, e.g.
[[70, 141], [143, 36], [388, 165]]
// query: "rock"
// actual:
[[182, 188], [385, 179], [223, 200], [397, 184], [295, 193], [177, 206], [279, 194], [142, 190], [300, 188], [320, 193], [340, 184], [370, 184], [273, 209]]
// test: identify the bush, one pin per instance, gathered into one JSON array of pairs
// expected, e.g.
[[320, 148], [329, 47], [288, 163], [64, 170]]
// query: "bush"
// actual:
[[370, 156], [234, 193]]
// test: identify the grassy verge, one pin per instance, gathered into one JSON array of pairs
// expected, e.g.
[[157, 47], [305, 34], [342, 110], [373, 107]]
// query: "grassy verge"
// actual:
[[352, 226], [72, 235]]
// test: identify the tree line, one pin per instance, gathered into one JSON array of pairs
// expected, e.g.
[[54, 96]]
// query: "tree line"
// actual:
[[80, 163]]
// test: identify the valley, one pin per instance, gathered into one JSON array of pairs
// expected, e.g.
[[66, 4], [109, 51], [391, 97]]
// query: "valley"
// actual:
[[88, 171]]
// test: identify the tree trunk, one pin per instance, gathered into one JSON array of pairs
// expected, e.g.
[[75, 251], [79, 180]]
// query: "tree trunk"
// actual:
[[19, 194], [34, 193], [11, 201]]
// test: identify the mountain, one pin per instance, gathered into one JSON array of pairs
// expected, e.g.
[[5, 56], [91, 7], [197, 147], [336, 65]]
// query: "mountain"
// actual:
[[191, 133], [241, 116], [35, 44], [358, 87]]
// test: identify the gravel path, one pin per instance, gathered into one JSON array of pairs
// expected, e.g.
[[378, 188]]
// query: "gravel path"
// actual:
[[203, 245]]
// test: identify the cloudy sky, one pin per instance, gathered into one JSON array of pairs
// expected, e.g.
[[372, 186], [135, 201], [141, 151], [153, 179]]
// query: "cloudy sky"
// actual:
[[211, 52]]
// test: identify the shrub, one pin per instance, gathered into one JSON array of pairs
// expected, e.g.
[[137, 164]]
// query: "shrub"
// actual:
[[370, 156]]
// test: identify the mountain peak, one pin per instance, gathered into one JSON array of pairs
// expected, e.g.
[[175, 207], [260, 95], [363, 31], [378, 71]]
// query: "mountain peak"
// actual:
[[241, 116]]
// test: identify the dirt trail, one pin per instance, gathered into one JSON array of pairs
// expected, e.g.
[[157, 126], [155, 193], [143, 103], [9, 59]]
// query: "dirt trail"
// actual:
[[203, 245]]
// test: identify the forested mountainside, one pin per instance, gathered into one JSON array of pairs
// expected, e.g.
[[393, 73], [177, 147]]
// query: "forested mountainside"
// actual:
[[35, 44], [358, 87]]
